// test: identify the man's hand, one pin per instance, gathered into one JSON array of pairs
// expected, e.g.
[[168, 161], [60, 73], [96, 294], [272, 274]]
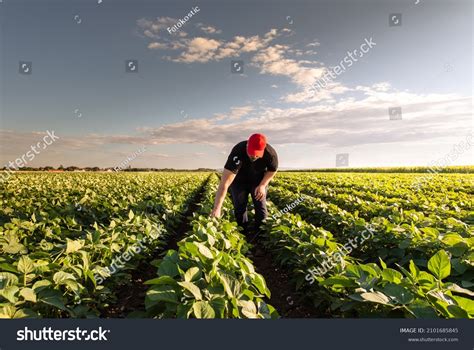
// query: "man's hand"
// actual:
[[260, 192], [216, 213]]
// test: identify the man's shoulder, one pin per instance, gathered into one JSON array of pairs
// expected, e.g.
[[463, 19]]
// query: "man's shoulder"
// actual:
[[270, 149], [240, 146]]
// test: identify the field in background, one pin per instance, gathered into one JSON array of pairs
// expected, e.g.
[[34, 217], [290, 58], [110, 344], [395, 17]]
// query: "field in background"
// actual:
[[336, 244]]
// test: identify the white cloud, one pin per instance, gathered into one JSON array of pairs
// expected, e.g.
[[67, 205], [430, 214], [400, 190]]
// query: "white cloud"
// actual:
[[351, 123], [199, 48], [156, 29], [156, 45], [208, 29], [204, 49], [313, 44], [236, 113], [272, 60]]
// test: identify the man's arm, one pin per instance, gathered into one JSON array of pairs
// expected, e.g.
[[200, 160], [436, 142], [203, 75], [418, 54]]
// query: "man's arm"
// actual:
[[226, 180], [260, 190]]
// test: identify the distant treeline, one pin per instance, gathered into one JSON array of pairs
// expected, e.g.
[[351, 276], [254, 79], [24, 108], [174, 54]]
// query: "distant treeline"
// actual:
[[415, 169]]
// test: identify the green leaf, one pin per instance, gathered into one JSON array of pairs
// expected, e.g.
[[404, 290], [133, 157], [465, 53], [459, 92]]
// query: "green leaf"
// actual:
[[191, 287], [12, 245], [440, 265], [8, 267], [192, 274], [261, 285], [168, 268], [7, 311], [430, 231], [52, 297], [131, 215], [465, 304], [422, 309], [183, 310], [457, 311], [7, 279], [205, 251], [202, 309], [162, 293], [231, 286], [398, 293], [376, 297], [414, 270], [392, 275], [61, 277], [25, 313], [161, 280], [40, 285], [457, 289], [338, 281], [28, 294], [25, 265], [9, 293], [249, 309], [426, 279], [73, 246], [218, 304]]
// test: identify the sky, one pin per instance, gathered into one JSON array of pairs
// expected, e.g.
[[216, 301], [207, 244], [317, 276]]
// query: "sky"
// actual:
[[183, 107]]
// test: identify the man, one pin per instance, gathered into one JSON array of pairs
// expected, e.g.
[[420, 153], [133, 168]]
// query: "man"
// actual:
[[250, 167]]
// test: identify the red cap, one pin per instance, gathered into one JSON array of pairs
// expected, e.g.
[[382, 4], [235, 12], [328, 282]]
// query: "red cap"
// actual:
[[256, 145]]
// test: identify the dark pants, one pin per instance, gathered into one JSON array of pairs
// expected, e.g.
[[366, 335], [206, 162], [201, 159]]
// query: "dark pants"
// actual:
[[240, 194]]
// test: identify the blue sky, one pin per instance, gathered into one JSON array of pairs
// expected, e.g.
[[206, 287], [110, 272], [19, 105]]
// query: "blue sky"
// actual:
[[188, 109]]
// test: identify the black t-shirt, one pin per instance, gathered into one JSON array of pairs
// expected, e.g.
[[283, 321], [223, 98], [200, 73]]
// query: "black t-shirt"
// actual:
[[249, 172]]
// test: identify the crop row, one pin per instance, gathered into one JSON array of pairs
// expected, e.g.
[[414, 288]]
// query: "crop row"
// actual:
[[209, 275], [448, 189], [370, 205], [399, 237], [346, 288], [55, 266]]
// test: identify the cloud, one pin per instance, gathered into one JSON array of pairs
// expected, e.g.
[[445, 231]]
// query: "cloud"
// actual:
[[203, 50], [236, 113], [208, 29], [313, 44], [272, 60], [357, 120], [348, 123], [156, 45], [156, 29], [199, 48]]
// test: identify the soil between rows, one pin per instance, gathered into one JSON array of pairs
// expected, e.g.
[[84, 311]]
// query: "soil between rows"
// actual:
[[284, 298]]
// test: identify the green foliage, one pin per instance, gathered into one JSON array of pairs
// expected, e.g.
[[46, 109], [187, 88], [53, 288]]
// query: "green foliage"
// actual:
[[209, 276], [59, 233], [417, 260]]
